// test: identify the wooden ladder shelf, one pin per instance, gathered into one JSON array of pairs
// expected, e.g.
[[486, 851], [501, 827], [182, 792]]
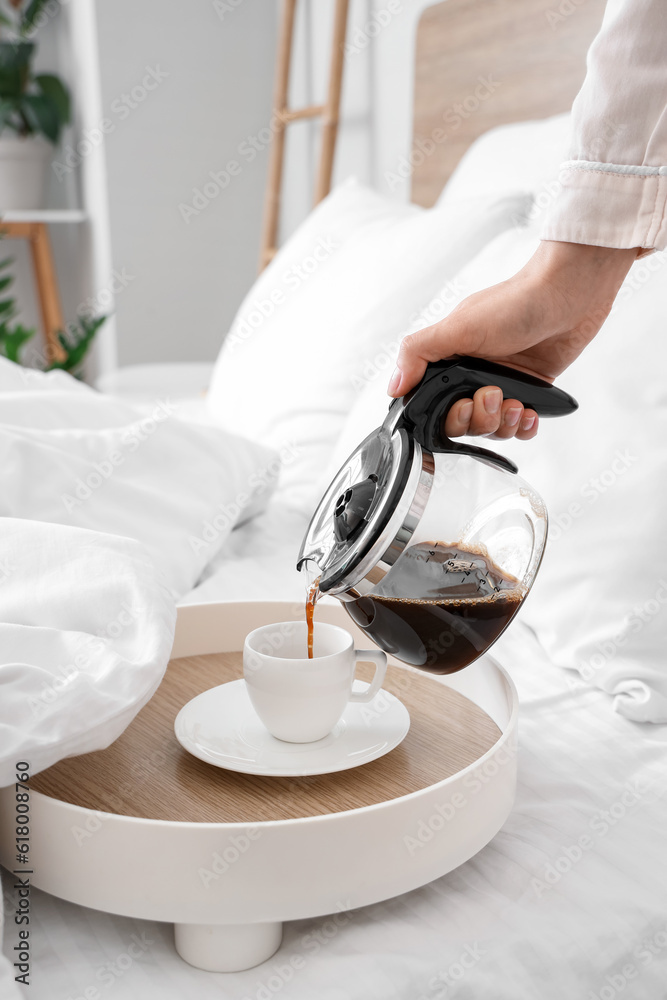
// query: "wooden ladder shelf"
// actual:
[[329, 112]]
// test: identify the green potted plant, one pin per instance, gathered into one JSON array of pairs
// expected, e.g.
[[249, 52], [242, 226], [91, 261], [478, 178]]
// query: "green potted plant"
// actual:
[[34, 107], [75, 342], [13, 335]]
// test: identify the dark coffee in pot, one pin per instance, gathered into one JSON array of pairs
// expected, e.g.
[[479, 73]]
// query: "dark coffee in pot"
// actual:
[[439, 607]]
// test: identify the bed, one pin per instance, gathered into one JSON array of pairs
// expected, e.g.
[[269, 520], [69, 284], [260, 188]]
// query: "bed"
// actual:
[[568, 899]]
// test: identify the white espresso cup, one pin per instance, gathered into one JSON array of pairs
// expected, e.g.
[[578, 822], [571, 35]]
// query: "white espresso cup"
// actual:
[[300, 700]]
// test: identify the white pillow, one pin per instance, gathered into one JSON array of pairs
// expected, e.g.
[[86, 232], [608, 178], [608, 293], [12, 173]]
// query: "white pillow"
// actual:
[[522, 156], [86, 629], [599, 604], [334, 304], [70, 455], [600, 601]]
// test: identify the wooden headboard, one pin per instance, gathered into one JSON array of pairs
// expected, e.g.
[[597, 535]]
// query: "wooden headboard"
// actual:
[[499, 61]]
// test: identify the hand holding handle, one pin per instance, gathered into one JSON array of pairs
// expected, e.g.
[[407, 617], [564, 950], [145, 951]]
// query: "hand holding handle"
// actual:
[[375, 656], [425, 407]]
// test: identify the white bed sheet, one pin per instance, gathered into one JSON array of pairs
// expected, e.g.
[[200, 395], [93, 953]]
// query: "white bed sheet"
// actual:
[[504, 926]]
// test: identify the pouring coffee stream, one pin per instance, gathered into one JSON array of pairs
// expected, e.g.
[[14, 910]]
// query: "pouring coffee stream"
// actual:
[[432, 545], [311, 600]]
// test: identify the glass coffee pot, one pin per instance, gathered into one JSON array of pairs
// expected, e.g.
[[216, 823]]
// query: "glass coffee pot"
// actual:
[[432, 545]]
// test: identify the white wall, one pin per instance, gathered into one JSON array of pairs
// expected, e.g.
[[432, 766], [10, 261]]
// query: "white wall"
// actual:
[[212, 75], [188, 277], [182, 280]]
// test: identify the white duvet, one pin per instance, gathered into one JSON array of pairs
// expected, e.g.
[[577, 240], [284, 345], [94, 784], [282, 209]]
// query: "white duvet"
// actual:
[[73, 456], [86, 629], [106, 515]]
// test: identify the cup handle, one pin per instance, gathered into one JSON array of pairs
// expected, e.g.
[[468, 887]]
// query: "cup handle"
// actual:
[[375, 656]]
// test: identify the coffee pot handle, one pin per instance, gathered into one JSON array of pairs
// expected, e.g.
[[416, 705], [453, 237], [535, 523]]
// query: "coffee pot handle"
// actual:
[[423, 410]]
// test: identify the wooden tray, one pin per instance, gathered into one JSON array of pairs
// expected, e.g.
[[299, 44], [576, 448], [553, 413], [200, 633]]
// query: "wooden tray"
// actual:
[[146, 830], [146, 773]]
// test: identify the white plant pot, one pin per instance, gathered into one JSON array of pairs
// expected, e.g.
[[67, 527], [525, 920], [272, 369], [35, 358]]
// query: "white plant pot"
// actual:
[[24, 163]]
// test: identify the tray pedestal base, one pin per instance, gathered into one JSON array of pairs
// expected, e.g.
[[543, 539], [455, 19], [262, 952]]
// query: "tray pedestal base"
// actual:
[[227, 947]]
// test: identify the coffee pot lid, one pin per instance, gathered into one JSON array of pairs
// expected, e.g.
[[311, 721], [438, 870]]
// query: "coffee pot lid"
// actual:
[[358, 506]]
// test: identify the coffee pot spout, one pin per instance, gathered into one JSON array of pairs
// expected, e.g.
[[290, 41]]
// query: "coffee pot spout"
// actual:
[[310, 569]]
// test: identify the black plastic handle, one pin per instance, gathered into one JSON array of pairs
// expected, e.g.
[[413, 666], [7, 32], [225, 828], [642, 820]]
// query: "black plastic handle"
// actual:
[[425, 407]]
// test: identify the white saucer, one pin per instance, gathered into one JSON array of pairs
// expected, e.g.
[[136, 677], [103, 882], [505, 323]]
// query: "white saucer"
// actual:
[[220, 727]]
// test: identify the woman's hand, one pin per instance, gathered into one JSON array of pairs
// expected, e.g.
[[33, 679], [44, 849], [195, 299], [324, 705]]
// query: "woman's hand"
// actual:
[[538, 321]]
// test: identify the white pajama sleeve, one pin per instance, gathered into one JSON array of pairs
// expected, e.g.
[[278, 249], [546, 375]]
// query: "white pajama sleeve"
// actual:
[[614, 186]]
